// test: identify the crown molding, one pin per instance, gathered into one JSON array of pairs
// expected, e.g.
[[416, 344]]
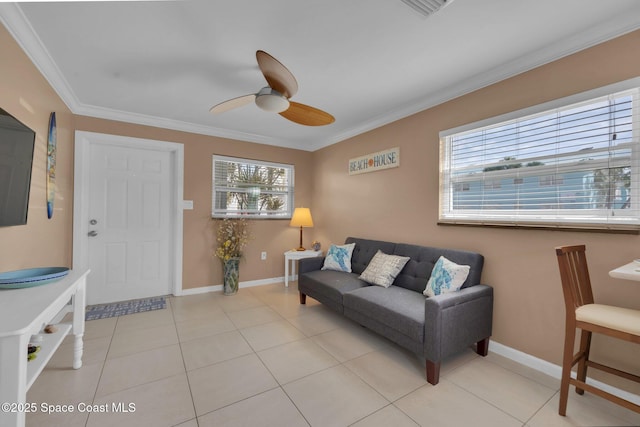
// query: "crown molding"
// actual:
[[598, 34], [12, 17], [17, 24], [20, 28], [177, 125]]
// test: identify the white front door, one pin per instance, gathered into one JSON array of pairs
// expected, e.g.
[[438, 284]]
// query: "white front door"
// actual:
[[129, 222]]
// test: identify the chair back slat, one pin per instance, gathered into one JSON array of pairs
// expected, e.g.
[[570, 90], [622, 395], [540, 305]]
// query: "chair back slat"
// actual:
[[576, 287], [574, 275]]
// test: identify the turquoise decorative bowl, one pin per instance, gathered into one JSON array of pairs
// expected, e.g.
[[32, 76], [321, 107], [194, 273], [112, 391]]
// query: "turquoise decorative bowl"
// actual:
[[31, 277]]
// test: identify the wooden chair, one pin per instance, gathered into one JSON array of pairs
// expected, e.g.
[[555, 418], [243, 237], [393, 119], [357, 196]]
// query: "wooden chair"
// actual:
[[583, 313]]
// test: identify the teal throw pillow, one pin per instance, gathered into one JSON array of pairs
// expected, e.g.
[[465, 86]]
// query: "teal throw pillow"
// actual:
[[446, 276], [339, 258]]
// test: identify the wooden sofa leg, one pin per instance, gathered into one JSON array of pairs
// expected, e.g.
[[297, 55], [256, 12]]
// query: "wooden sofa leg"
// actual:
[[303, 298], [433, 372], [482, 347]]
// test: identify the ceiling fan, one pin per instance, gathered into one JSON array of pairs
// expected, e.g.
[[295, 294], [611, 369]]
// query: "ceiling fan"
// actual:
[[275, 97]]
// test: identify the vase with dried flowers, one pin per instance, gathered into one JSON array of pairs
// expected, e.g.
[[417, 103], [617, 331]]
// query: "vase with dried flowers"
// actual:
[[232, 236]]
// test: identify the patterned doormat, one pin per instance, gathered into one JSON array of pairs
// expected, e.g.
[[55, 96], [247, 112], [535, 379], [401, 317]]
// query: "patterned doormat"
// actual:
[[104, 311]]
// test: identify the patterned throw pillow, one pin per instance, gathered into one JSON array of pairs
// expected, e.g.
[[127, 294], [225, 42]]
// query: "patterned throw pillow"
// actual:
[[339, 258], [383, 269], [447, 276]]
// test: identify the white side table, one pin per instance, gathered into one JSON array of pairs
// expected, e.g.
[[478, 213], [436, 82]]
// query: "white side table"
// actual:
[[293, 256]]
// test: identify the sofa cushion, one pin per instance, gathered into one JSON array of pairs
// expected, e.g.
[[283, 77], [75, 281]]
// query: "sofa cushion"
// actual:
[[447, 276], [330, 284], [383, 269], [365, 250], [398, 308], [339, 258], [417, 272]]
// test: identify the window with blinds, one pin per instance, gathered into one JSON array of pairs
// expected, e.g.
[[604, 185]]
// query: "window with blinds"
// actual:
[[250, 188], [572, 166]]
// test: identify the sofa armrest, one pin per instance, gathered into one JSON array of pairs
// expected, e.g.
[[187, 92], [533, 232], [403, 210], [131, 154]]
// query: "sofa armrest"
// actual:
[[306, 265], [457, 320]]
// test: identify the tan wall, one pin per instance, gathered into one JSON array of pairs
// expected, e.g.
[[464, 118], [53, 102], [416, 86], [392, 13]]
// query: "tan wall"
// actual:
[[26, 95], [273, 236], [399, 204], [402, 204], [42, 242]]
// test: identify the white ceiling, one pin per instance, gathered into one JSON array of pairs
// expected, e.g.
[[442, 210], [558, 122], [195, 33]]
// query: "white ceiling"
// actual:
[[367, 62]]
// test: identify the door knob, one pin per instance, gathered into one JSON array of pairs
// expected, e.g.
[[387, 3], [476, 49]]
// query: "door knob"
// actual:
[[92, 233]]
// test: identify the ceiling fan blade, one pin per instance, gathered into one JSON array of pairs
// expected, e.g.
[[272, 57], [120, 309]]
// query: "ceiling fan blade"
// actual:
[[306, 115], [232, 103], [276, 74]]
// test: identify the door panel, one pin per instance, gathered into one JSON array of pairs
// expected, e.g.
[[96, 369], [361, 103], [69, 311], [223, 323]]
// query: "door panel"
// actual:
[[130, 201]]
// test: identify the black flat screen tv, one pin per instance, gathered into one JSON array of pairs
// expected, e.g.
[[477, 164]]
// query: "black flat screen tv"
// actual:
[[16, 159]]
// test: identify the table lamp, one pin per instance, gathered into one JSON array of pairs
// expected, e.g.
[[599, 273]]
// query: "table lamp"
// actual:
[[301, 218]]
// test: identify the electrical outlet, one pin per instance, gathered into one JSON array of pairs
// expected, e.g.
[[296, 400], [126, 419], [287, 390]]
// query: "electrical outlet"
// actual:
[[263, 256]]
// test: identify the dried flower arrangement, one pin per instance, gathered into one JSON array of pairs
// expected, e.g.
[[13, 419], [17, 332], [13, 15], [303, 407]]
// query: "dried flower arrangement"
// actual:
[[232, 237]]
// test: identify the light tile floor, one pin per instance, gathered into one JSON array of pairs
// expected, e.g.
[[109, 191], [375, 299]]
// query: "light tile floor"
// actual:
[[259, 358]]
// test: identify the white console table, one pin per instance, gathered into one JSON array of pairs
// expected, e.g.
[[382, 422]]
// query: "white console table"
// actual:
[[293, 256], [23, 313]]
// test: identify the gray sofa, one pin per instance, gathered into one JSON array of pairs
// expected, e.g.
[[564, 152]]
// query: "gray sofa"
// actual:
[[433, 328]]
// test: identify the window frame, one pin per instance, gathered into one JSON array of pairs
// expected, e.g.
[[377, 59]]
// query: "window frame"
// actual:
[[288, 194], [519, 217]]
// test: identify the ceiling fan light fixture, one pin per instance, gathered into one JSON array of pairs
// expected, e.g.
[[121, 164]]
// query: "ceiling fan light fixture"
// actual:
[[271, 100], [274, 98]]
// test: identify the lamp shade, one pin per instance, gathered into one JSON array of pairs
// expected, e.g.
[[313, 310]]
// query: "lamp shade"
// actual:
[[301, 218]]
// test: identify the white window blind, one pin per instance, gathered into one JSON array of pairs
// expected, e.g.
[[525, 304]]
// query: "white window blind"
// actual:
[[251, 188], [576, 165]]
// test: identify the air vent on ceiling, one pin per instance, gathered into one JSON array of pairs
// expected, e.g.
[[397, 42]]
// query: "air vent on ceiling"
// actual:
[[426, 7]]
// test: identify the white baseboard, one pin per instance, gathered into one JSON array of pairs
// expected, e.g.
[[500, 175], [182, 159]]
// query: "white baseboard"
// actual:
[[553, 370], [218, 288], [533, 362]]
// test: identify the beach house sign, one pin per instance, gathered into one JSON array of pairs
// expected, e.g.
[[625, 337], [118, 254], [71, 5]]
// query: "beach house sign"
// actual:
[[376, 161]]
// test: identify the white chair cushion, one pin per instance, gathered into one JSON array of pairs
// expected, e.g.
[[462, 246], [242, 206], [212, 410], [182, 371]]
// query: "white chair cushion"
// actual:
[[621, 319]]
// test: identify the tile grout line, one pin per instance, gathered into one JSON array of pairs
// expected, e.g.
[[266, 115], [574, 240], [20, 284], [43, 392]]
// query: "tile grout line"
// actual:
[[349, 364], [186, 372], [279, 385], [541, 408], [104, 362]]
